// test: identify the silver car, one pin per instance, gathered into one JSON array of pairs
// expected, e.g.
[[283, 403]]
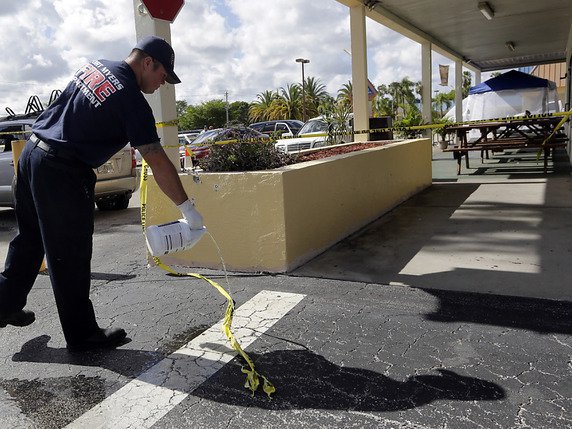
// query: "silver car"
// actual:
[[116, 179]]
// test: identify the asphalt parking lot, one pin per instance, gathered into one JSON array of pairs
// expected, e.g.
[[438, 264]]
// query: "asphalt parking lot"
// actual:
[[342, 351]]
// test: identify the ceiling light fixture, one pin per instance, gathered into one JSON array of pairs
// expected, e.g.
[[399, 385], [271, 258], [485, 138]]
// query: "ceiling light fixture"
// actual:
[[370, 4], [510, 46], [486, 9]]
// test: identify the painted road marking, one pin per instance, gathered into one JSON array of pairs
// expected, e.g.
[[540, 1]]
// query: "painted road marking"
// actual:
[[144, 400]]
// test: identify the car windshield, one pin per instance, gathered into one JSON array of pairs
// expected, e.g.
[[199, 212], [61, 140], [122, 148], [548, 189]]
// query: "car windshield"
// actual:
[[207, 136], [314, 126]]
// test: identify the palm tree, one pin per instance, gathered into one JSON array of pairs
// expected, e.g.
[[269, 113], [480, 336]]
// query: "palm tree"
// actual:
[[382, 104], [260, 110], [288, 104], [401, 94], [394, 89], [315, 91], [404, 91], [419, 91], [444, 99], [345, 94], [327, 104]]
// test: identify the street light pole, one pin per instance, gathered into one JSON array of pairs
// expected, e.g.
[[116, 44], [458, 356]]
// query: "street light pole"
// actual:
[[303, 61]]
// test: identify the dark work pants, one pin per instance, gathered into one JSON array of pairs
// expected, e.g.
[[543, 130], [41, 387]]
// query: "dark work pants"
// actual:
[[54, 209]]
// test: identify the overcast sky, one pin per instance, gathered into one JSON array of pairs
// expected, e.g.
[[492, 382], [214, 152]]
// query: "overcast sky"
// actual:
[[243, 47]]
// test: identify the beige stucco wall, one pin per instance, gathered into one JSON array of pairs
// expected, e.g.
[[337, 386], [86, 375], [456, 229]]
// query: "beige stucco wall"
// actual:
[[276, 220]]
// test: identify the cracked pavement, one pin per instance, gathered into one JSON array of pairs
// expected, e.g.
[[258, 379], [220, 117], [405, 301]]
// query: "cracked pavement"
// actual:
[[350, 354]]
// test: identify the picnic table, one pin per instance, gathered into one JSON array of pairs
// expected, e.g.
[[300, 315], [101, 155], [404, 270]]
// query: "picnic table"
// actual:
[[497, 136]]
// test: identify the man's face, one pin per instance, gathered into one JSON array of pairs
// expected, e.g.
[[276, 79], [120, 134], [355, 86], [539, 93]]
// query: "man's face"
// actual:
[[153, 76]]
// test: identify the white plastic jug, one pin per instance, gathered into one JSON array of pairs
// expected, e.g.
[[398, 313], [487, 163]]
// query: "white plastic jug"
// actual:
[[172, 237]]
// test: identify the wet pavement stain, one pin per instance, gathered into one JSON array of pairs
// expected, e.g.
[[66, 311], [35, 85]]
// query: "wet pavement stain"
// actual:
[[180, 339], [53, 403]]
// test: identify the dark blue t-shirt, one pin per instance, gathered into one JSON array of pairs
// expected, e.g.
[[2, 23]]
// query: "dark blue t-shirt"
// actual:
[[99, 112]]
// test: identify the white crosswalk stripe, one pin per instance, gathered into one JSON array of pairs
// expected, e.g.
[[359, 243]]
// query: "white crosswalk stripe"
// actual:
[[145, 400]]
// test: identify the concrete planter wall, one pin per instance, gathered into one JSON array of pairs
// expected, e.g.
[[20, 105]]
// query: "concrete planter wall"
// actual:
[[276, 220]]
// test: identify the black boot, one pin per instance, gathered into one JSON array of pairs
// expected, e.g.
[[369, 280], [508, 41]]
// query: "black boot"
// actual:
[[101, 339], [18, 318]]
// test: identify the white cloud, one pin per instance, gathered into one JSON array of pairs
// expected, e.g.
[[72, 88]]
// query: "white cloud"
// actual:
[[243, 47]]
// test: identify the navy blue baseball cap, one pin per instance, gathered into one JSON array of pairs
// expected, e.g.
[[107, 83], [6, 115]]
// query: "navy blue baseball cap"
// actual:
[[161, 51]]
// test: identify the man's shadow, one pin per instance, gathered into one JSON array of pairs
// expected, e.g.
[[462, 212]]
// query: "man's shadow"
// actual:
[[129, 363], [303, 379]]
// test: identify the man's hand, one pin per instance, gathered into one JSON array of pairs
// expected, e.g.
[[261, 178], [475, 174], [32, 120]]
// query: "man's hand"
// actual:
[[191, 215]]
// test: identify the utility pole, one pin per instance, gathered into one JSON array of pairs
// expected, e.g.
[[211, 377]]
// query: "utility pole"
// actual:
[[226, 106]]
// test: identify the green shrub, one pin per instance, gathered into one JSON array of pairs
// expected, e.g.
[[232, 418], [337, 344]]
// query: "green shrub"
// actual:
[[244, 157]]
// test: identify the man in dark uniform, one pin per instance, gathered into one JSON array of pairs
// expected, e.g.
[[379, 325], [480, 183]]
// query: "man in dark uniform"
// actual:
[[99, 112]]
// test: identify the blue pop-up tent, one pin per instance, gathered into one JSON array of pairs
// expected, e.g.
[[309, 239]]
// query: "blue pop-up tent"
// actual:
[[513, 79], [513, 93]]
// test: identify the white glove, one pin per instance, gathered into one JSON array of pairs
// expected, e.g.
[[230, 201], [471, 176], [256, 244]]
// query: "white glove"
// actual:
[[191, 215]]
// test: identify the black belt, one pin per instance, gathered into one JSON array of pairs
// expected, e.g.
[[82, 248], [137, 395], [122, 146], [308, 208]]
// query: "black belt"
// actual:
[[57, 152]]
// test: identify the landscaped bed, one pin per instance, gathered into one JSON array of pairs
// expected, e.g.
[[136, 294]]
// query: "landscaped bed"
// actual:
[[257, 156], [276, 219], [339, 149]]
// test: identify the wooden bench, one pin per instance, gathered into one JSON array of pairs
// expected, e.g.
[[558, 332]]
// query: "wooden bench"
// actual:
[[505, 144]]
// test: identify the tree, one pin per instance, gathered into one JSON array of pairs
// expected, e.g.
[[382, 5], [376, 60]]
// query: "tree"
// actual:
[[260, 109], [238, 112], [315, 91], [382, 104], [211, 113], [337, 120], [181, 106], [396, 97], [411, 117], [345, 94], [467, 78], [288, 104], [405, 92], [443, 99], [328, 104]]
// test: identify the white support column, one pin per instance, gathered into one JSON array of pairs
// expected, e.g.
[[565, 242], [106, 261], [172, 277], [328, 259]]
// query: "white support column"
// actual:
[[162, 102], [426, 84], [359, 70], [477, 78], [568, 97], [459, 90]]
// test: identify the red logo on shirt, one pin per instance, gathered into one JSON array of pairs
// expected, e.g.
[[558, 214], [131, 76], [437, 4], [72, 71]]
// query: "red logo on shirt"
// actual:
[[96, 82]]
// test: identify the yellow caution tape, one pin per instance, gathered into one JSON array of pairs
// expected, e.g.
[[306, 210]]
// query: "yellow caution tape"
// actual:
[[564, 115], [173, 123], [15, 132], [252, 376], [563, 120]]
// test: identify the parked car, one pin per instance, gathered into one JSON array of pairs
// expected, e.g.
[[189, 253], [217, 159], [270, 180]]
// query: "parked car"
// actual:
[[279, 127], [186, 139], [312, 135], [200, 145], [116, 179], [189, 135]]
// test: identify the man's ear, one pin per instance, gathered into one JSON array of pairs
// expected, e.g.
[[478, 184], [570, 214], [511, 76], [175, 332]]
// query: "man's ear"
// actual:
[[147, 62]]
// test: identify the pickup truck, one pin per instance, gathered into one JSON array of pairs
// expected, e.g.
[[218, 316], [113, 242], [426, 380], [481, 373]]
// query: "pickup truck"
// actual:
[[117, 179]]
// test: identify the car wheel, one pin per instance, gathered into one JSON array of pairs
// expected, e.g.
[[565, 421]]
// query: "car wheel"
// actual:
[[119, 202]]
